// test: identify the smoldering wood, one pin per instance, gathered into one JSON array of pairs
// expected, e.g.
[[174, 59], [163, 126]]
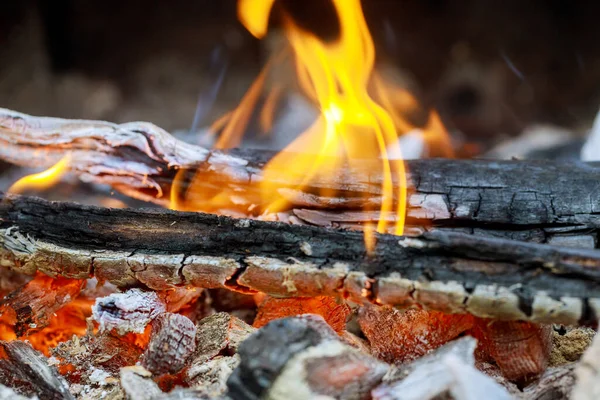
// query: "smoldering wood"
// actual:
[[27, 371], [302, 357], [30, 308], [127, 312], [524, 200], [172, 342], [161, 249]]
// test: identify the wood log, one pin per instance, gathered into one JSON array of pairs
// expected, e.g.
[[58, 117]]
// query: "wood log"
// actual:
[[161, 249], [525, 200]]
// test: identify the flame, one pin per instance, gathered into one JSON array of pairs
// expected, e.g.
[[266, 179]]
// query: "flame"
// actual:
[[361, 118], [42, 180]]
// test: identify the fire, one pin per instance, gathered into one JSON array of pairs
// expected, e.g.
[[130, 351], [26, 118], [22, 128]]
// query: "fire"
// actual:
[[42, 180], [361, 118]]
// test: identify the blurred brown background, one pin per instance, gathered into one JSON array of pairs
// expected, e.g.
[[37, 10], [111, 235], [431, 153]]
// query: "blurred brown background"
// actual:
[[491, 68]]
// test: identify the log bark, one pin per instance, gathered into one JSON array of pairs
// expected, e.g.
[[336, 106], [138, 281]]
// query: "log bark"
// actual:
[[523, 200], [161, 249]]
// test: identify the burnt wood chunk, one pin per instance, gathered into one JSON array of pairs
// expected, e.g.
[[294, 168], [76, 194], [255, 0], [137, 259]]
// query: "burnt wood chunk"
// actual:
[[220, 333], [302, 357], [172, 342], [27, 372]]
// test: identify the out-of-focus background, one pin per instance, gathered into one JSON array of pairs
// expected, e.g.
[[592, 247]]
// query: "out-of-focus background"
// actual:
[[492, 69]]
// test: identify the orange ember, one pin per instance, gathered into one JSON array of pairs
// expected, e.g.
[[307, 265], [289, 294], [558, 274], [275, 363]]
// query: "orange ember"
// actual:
[[66, 322], [46, 311], [361, 118]]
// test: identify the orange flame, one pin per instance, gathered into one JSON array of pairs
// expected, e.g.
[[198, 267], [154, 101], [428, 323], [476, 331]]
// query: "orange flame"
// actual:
[[361, 117], [42, 180]]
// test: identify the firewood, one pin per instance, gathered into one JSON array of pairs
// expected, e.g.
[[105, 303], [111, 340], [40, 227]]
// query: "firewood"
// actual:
[[27, 371], [524, 200], [172, 342], [300, 358], [162, 249]]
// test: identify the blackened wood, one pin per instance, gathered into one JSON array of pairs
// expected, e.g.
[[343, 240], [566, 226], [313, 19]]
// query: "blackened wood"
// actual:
[[161, 249], [27, 371], [302, 357], [523, 200]]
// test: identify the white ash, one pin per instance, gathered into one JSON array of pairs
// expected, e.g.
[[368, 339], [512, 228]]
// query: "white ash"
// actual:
[[127, 312], [449, 369], [100, 377], [138, 384]]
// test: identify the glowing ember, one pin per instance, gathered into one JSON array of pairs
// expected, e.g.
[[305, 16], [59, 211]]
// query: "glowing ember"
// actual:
[[360, 119], [42, 180], [334, 312]]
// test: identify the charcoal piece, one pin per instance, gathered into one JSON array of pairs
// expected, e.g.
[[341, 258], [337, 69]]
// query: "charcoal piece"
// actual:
[[172, 342], [302, 357], [27, 372], [177, 298], [398, 336], [520, 349], [218, 333], [569, 345], [127, 312]]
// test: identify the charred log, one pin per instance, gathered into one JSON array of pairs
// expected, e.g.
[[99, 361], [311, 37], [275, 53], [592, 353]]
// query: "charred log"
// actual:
[[524, 200], [161, 249]]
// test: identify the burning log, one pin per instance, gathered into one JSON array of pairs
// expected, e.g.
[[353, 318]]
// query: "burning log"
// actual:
[[525, 200], [161, 249]]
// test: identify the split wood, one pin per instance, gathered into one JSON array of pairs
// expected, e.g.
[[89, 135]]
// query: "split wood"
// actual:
[[444, 271]]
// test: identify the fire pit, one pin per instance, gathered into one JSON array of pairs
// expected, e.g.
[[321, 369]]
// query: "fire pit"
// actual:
[[333, 268]]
